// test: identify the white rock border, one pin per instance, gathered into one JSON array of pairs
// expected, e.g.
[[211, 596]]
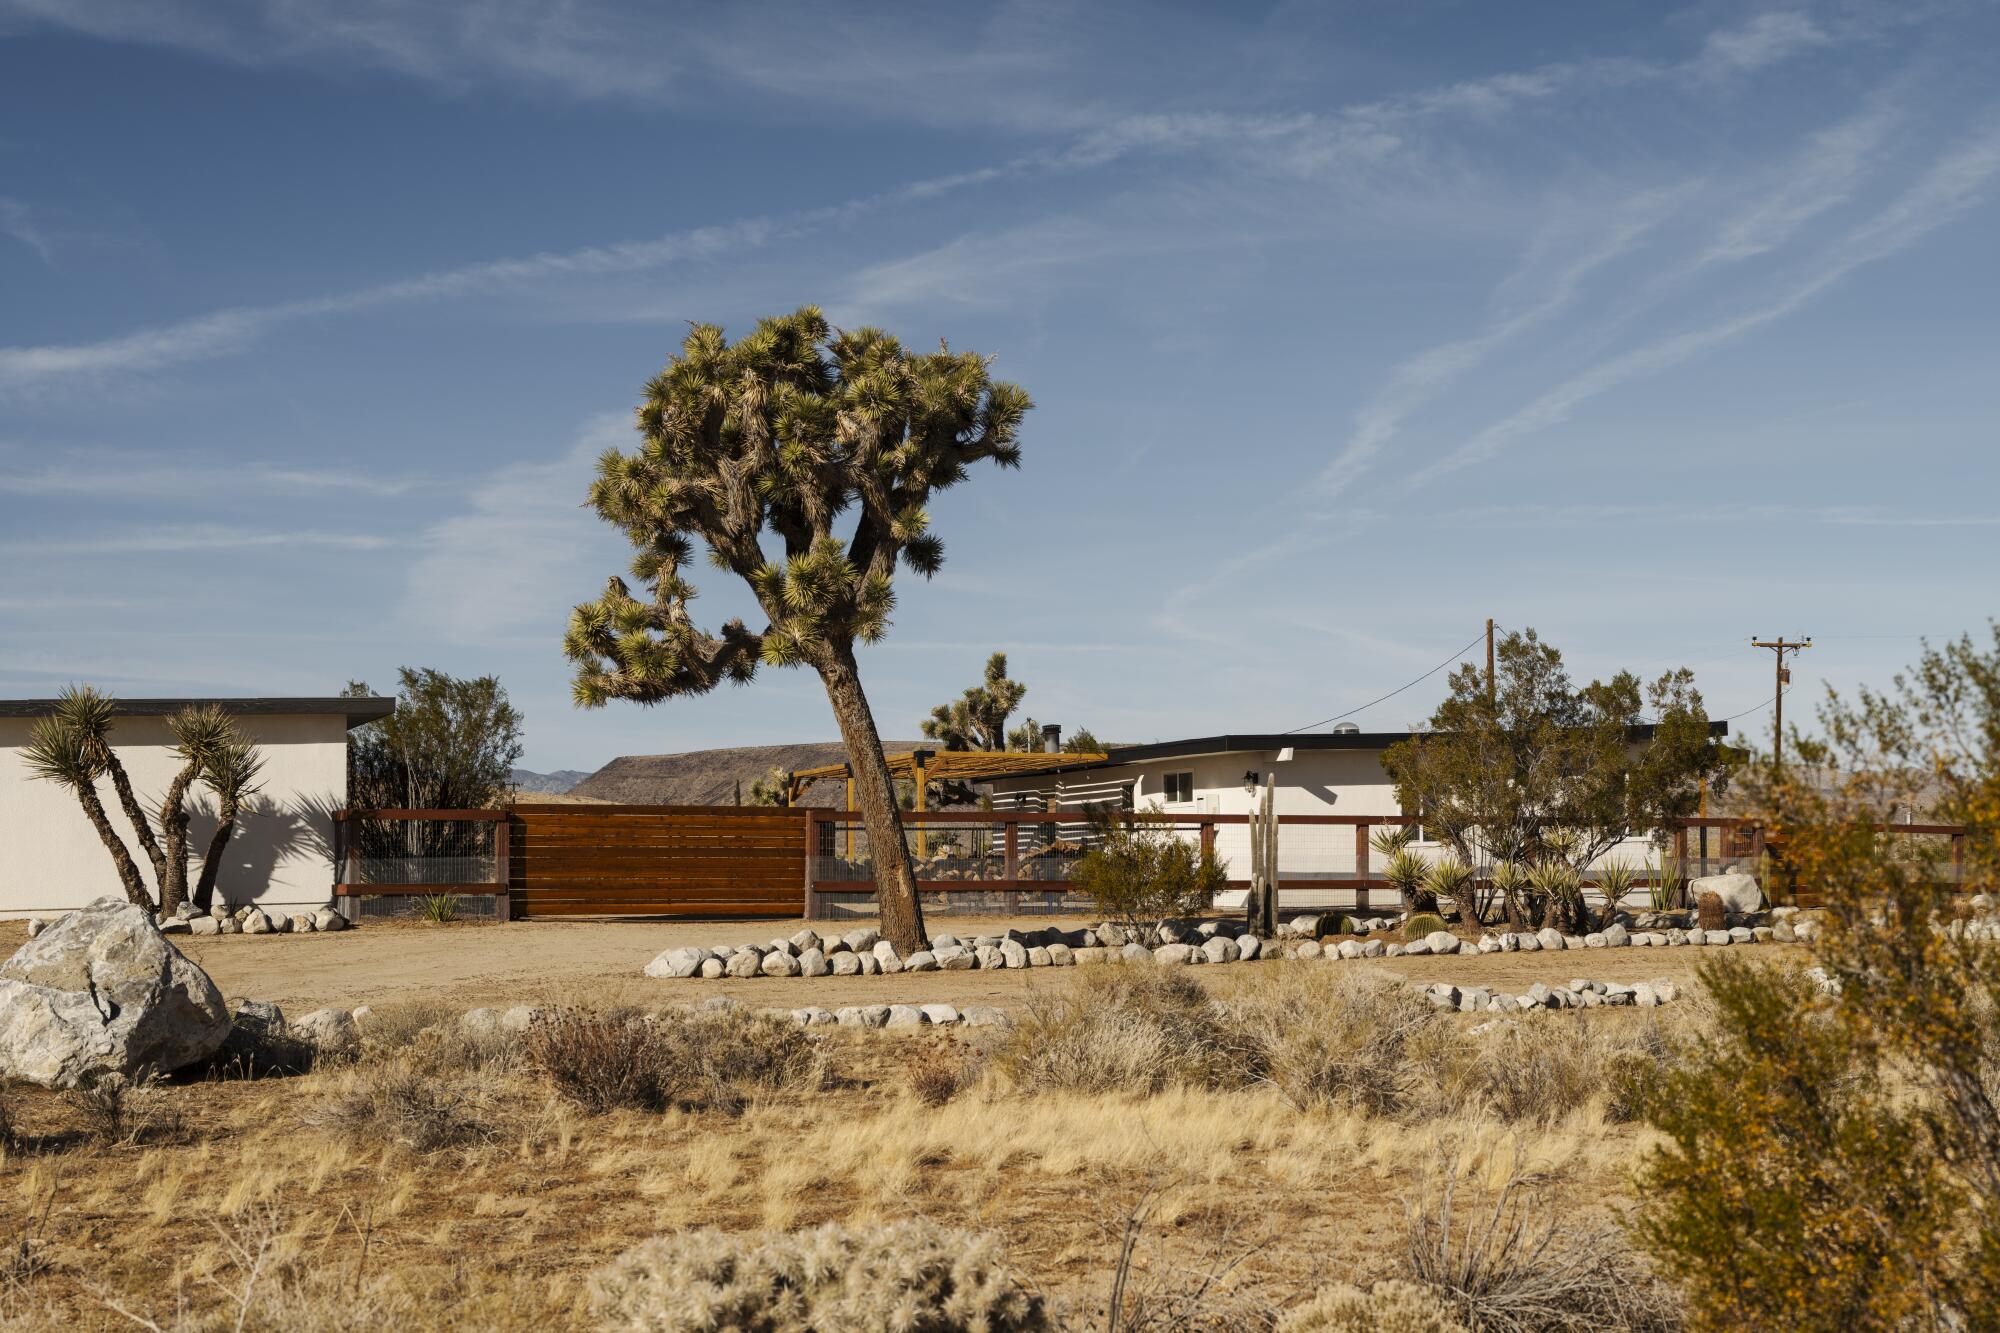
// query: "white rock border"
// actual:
[[863, 952]]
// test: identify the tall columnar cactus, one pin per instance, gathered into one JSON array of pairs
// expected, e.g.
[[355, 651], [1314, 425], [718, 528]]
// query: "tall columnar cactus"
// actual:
[[1263, 902]]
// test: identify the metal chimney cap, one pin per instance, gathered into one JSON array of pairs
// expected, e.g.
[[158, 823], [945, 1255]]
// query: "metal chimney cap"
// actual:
[[1347, 728], [1051, 737]]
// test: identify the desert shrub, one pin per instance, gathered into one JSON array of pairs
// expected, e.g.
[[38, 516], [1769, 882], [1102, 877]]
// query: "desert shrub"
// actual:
[[1142, 871], [1387, 1307], [901, 1275], [1422, 924], [1517, 1267], [1326, 1039], [1788, 1153], [1709, 912], [1558, 888], [937, 1071], [395, 1026], [399, 1101], [115, 1109], [680, 1058], [1120, 1030]]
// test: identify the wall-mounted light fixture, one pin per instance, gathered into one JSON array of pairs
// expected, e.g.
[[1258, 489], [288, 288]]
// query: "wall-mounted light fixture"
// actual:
[[1250, 780]]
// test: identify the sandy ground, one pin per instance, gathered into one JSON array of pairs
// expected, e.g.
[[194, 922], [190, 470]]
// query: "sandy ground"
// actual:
[[602, 961]]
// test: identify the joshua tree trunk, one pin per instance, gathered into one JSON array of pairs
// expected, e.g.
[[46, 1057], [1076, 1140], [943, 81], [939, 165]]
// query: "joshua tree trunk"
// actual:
[[142, 828], [211, 861], [128, 869], [174, 824], [895, 876]]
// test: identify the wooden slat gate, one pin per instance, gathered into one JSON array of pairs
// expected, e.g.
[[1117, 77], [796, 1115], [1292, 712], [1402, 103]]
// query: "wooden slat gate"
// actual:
[[656, 860]]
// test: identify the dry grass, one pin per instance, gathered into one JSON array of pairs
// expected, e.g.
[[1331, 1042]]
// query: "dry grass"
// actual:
[[497, 1219]]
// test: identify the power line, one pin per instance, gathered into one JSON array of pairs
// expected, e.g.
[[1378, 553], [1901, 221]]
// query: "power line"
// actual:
[[1392, 693], [1757, 709]]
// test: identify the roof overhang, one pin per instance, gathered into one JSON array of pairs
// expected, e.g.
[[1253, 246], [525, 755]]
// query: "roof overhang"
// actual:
[[356, 711], [1260, 742]]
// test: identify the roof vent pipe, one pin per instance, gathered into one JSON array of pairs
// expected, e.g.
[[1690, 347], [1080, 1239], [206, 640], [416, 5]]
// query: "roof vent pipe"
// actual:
[[1347, 728], [1052, 737]]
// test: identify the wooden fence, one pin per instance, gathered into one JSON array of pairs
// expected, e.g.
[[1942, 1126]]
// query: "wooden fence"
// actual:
[[566, 860]]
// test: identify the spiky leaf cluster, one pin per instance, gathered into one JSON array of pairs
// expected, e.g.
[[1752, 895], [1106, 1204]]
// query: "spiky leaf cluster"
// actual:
[[776, 438]]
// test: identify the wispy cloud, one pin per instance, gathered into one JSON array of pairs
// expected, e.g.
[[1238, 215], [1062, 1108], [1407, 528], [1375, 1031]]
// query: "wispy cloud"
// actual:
[[105, 474], [1763, 41], [525, 530], [1417, 381], [187, 537], [17, 222], [1824, 176], [1950, 187]]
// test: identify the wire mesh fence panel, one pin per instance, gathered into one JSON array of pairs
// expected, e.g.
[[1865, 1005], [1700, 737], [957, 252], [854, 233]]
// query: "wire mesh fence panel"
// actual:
[[380, 851]]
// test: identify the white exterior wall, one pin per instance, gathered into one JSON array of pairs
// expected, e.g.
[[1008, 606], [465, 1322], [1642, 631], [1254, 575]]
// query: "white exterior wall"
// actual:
[[281, 854]]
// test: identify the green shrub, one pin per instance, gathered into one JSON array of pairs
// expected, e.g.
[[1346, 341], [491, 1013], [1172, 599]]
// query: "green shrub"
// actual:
[[1143, 871], [1422, 924], [438, 908], [911, 1275], [1795, 1189]]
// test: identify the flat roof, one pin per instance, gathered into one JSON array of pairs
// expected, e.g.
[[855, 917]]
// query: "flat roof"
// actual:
[[1236, 743], [357, 711]]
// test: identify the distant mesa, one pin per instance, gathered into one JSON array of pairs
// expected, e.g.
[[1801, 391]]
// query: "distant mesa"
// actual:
[[548, 784], [710, 777]]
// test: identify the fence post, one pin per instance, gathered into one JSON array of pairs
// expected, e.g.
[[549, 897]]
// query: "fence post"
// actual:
[[1013, 845], [811, 850], [503, 870], [1362, 869]]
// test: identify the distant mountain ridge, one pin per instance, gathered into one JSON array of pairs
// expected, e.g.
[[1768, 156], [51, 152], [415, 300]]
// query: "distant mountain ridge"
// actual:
[[710, 777], [553, 784]]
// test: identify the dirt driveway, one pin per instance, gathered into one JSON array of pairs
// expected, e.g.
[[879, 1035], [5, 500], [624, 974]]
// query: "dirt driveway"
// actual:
[[601, 962]]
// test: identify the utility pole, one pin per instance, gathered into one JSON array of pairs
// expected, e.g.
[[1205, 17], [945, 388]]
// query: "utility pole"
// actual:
[[1780, 646], [1491, 697]]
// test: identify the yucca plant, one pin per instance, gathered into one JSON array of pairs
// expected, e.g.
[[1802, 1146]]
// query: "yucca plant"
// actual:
[[1615, 879], [1668, 891], [1408, 874], [1391, 838], [1560, 888], [200, 734], [61, 753], [1510, 884], [1450, 877], [438, 908]]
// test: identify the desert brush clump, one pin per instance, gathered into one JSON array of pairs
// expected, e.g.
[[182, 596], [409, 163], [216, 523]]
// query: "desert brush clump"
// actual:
[[1389, 1306], [400, 1101], [683, 1058], [1132, 1030], [1323, 1040], [938, 1070], [911, 1275], [1516, 1265]]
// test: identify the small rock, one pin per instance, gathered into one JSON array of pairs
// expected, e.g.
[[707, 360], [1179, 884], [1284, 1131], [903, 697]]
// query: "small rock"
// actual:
[[1012, 954], [1172, 955], [1220, 949], [923, 960], [1136, 953], [1528, 943], [862, 940], [846, 963], [812, 962], [871, 966], [939, 1014], [1595, 940], [1248, 947], [1061, 955], [1716, 937], [745, 963], [1308, 949], [807, 939], [1349, 948], [678, 963], [1442, 941], [1089, 955], [904, 1016], [1551, 938], [984, 1016], [514, 1018], [711, 968], [1039, 957], [328, 919], [1616, 936], [328, 1029], [990, 958]]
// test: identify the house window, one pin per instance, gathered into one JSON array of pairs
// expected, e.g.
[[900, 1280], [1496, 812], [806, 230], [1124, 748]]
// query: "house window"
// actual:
[[1179, 787]]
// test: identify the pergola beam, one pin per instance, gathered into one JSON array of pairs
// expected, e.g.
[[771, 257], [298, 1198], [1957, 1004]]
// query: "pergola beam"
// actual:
[[953, 765]]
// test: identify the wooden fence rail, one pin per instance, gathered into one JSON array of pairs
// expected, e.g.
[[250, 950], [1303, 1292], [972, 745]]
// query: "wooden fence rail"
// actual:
[[565, 860]]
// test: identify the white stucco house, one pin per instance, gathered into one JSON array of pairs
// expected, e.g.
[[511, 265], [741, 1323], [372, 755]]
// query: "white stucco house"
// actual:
[[281, 853], [1337, 773]]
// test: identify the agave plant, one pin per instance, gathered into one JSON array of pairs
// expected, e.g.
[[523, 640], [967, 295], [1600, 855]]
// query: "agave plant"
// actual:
[[1668, 891], [1450, 877], [1391, 838], [1408, 873], [1615, 879], [1510, 883], [1560, 887], [438, 908]]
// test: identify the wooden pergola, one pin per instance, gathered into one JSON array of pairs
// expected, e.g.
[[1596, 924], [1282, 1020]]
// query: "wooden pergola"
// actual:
[[923, 767]]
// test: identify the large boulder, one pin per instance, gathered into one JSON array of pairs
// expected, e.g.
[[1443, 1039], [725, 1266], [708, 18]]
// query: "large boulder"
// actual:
[[102, 991], [1736, 887]]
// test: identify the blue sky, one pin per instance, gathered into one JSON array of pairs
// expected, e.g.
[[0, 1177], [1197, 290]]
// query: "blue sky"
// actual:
[[1349, 325]]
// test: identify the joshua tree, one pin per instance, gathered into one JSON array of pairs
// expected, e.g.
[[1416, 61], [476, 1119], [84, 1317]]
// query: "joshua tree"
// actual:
[[781, 434], [977, 719], [61, 753], [72, 747], [771, 789], [232, 777]]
